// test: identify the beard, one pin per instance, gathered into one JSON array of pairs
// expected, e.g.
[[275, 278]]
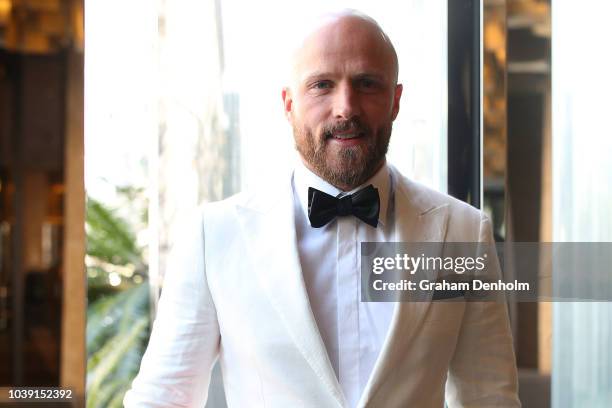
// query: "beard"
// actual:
[[350, 166]]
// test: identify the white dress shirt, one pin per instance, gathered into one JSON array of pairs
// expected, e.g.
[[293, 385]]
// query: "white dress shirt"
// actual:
[[353, 331]]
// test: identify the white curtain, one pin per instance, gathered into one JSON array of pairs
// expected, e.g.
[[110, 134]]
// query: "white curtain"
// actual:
[[582, 209]]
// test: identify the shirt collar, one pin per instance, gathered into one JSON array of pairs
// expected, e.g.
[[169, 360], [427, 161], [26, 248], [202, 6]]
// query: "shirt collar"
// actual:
[[304, 178]]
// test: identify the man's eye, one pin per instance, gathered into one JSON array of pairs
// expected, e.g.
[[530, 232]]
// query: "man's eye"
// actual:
[[367, 83], [322, 85]]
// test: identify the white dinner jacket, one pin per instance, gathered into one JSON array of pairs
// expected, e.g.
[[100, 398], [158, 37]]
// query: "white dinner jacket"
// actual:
[[234, 291]]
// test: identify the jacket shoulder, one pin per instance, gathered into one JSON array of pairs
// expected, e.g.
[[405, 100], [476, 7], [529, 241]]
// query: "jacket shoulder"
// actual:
[[220, 214], [464, 222], [228, 203], [426, 197]]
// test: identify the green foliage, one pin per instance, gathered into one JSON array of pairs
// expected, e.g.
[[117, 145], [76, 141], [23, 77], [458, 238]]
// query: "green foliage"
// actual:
[[117, 333], [112, 314], [118, 317], [109, 238]]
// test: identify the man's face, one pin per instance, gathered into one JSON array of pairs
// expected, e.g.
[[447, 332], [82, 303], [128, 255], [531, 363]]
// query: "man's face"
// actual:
[[343, 101]]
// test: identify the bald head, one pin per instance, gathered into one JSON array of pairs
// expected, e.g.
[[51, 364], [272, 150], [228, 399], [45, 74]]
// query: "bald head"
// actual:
[[348, 29]]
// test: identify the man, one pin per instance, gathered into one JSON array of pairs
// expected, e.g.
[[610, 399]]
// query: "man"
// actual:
[[268, 282]]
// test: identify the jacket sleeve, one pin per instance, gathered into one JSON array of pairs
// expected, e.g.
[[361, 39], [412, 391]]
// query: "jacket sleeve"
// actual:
[[482, 372], [184, 344]]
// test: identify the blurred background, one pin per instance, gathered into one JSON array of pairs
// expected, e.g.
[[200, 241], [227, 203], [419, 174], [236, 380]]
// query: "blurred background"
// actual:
[[42, 291], [118, 117]]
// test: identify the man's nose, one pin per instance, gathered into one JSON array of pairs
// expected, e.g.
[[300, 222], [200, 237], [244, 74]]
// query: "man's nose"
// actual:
[[346, 103]]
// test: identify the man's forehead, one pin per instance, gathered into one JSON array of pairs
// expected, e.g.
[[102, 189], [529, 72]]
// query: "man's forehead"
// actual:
[[343, 35]]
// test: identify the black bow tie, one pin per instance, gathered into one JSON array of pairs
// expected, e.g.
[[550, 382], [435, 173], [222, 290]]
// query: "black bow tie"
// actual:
[[363, 204]]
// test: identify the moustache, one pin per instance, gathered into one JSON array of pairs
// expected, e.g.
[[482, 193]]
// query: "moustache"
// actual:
[[353, 125]]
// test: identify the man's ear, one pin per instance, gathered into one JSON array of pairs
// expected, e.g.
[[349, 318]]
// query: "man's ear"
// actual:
[[396, 100], [287, 102]]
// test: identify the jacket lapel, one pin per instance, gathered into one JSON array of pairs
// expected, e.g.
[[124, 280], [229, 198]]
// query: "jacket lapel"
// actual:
[[417, 219], [269, 228]]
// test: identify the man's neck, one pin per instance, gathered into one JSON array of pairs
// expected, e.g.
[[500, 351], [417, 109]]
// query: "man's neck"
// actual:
[[344, 187]]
